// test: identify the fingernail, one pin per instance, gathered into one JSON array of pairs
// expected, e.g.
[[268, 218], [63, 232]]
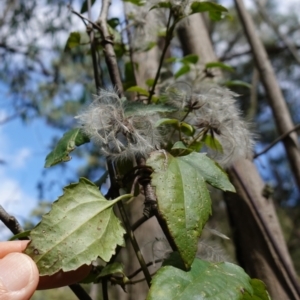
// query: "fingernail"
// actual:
[[15, 271]]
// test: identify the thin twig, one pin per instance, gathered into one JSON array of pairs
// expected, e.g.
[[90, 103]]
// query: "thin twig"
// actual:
[[139, 222], [113, 193], [277, 140], [150, 263], [104, 289], [169, 36], [11, 222], [94, 57], [108, 49], [27, 54], [79, 292], [271, 50], [286, 41], [134, 243], [139, 280], [91, 34], [96, 26], [127, 30]]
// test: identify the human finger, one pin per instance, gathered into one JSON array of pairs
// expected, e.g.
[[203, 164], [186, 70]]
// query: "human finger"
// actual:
[[19, 277], [12, 246]]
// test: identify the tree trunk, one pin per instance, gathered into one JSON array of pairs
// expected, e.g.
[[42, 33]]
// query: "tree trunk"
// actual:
[[277, 103], [259, 242]]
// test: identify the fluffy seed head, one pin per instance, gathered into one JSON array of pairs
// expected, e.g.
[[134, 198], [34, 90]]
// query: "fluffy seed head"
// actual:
[[213, 111], [119, 136]]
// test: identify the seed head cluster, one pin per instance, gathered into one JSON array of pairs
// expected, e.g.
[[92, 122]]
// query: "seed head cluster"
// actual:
[[119, 135], [213, 111]]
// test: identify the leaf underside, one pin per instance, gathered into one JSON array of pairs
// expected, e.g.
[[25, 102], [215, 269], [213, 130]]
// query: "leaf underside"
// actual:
[[205, 280], [80, 227], [69, 141]]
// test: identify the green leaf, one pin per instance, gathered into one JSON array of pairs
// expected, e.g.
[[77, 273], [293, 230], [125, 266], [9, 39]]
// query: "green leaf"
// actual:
[[196, 146], [179, 145], [183, 200], [113, 22], [212, 143], [205, 280], [139, 90], [84, 6], [216, 11], [171, 59], [174, 260], [204, 6], [179, 148], [73, 41], [209, 170], [136, 2], [216, 15], [154, 99], [219, 65], [190, 59], [129, 74], [150, 82], [187, 129], [23, 234], [138, 108], [166, 4], [259, 291], [148, 46], [80, 227], [113, 268], [183, 70], [69, 141], [120, 50], [241, 83], [166, 121]]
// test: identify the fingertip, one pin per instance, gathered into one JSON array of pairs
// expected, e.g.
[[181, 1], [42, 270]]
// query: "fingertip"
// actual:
[[19, 276]]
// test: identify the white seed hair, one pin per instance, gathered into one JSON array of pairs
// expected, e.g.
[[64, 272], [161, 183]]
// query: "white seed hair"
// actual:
[[217, 105], [119, 136]]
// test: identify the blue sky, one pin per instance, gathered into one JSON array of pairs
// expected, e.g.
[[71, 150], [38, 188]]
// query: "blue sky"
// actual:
[[23, 150]]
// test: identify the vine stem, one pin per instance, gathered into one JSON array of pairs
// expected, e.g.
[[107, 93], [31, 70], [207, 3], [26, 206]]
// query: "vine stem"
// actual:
[[79, 292], [277, 140], [113, 193], [108, 49], [169, 35], [134, 243], [11, 222]]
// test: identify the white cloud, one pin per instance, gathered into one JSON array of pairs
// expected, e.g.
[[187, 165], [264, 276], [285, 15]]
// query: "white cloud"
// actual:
[[3, 115], [14, 200], [12, 197], [20, 158], [17, 158]]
